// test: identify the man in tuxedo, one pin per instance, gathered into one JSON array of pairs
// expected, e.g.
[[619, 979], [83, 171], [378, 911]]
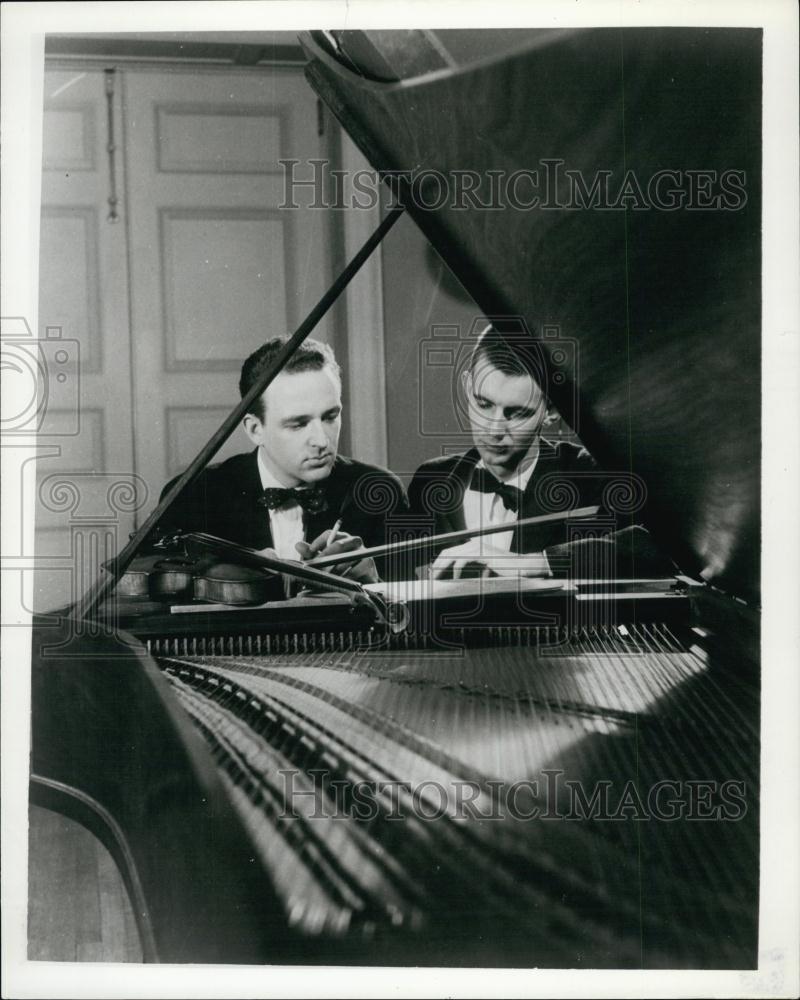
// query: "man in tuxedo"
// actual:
[[513, 473], [285, 495]]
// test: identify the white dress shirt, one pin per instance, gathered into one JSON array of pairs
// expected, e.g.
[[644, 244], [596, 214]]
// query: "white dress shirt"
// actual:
[[286, 523], [483, 510]]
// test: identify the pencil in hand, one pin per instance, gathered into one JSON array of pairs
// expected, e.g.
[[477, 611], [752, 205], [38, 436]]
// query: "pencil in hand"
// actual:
[[337, 527]]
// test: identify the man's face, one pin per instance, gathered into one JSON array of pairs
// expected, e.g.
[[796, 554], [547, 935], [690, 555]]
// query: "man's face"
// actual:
[[506, 414], [299, 435]]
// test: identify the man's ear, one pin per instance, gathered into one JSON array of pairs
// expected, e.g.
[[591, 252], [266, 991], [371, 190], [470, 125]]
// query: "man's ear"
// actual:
[[253, 427]]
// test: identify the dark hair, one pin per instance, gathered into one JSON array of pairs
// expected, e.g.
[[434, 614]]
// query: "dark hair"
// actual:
[[310, 356], [513, 352]]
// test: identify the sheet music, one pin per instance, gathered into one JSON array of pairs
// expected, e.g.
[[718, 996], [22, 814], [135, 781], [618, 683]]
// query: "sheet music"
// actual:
[[407, 591]]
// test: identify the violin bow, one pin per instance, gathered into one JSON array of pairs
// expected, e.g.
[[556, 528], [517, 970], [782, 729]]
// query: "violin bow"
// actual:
[[447, 539]]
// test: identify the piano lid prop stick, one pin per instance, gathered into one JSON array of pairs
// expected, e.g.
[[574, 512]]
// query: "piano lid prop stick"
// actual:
[[447, 539], [97, 593]]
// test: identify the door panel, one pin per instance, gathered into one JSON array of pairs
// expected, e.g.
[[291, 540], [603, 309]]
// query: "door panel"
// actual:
[[86, 491]]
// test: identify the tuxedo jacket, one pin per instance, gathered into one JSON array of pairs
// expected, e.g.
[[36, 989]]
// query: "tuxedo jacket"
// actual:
[[224, 501], [565, 478]]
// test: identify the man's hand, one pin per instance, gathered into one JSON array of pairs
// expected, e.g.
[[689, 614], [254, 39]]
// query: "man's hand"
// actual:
[[363, 571], [478, 558]]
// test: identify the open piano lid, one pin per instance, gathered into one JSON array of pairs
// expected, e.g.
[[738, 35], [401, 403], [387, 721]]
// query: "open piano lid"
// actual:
[[663, 305]]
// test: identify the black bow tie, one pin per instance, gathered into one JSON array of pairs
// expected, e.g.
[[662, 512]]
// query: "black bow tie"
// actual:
[[310, 498], [485, 482]]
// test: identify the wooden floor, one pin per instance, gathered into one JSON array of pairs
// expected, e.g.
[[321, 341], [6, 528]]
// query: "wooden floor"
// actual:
[[78, 908]]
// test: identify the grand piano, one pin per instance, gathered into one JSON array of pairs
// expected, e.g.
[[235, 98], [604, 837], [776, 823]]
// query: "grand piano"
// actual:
[[514, 775]]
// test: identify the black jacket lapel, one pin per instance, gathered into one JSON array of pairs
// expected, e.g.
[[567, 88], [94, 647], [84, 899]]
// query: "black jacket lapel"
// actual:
[[534, 538], [252, 516], [452, 519]]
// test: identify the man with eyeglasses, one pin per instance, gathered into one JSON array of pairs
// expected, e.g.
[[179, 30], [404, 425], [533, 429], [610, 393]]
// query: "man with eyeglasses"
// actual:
[[513, 473]]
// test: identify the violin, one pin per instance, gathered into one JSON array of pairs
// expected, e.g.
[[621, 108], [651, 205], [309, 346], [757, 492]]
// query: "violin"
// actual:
[[198, 571], [158, 577], [205, 578], [228, 583]]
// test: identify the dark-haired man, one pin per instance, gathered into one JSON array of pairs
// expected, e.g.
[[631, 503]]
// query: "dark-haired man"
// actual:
[[513, 473], [286, 494]]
